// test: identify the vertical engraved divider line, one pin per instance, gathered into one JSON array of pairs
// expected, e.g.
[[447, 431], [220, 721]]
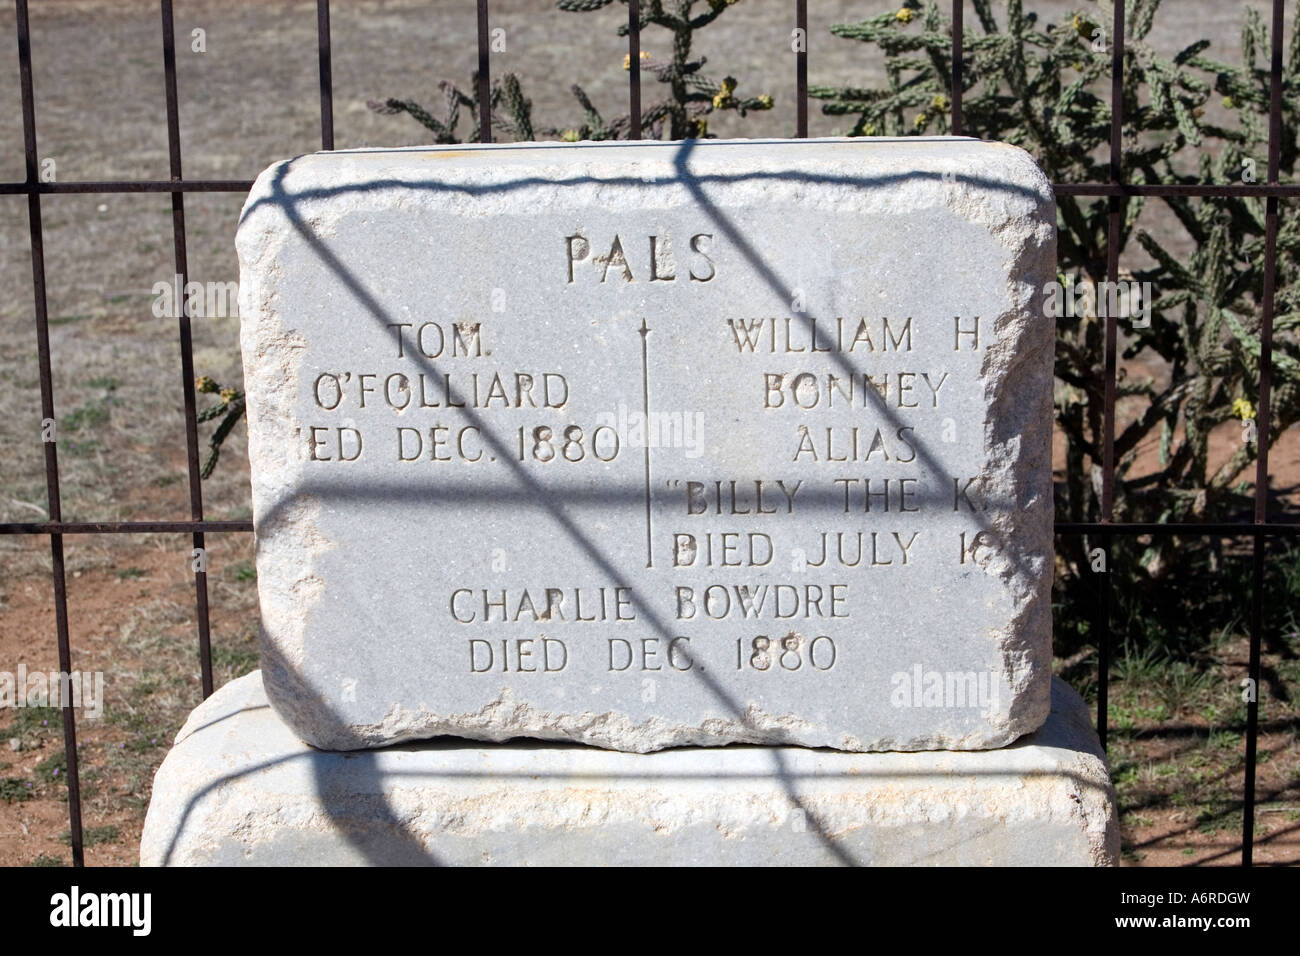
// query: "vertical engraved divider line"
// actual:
[[645, 403]]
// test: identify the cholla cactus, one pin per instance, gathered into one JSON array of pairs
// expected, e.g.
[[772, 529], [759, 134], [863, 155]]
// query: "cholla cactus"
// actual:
[[1189, 119], [692, 96], [230, 409], [505, 94]]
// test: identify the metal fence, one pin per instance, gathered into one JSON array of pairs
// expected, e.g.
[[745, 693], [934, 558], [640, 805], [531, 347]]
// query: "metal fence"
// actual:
[[197, 527]]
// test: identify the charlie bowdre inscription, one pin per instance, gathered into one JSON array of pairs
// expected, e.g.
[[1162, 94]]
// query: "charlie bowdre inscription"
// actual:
[[647, 445]]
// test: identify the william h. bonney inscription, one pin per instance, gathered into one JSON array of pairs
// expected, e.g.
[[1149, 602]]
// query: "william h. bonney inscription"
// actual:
[[654, 444]]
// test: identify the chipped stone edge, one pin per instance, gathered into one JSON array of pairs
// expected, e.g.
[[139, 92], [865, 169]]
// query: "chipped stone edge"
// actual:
[[1018, 435]]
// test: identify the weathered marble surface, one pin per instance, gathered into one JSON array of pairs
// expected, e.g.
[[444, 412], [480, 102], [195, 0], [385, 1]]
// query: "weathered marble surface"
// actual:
[[726, 438], [239, 788]]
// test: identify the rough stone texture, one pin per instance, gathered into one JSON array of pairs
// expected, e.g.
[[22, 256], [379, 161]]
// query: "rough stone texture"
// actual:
[[239, 788], [928, 626]]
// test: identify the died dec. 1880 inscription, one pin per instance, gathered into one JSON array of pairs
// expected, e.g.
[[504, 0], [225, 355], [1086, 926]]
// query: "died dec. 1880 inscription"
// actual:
[[654, 444]]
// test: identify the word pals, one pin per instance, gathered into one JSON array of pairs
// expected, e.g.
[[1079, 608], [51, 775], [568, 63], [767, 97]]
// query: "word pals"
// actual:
[[659, 264]]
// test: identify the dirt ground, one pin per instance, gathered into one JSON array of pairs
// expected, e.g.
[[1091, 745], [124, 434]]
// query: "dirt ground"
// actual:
[[251, 99]]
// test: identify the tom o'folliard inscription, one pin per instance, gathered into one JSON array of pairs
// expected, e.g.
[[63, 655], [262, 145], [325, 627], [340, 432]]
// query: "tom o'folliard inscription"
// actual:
[[654, 444]]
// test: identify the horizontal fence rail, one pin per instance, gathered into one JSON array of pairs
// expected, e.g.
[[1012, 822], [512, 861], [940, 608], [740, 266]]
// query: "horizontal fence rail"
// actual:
[[1271, 191]]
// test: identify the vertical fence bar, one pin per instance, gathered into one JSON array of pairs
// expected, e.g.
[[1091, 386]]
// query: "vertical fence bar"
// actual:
[[1256, 622], [326, 74], [1114, 223], [634, 68], [1115, 209], [484, 76], [801, 69], [1262, 419], [47, 412], [187, 346], [958, 43], [1101, 624]]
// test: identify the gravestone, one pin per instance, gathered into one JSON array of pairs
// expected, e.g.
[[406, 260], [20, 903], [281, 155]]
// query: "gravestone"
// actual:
[[645, 445], [641, 446]]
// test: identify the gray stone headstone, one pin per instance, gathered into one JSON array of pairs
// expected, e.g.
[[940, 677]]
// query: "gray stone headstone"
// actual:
[[643, 445]]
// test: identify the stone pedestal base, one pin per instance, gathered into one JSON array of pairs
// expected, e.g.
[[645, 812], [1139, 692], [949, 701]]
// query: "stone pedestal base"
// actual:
[[239, 788]]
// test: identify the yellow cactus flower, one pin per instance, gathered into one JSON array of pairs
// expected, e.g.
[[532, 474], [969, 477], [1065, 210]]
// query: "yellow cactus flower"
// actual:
[[904, 15], [627, 59], [205, 384], [723, 98], [1243, 409], [228, 395], [765, 101]]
